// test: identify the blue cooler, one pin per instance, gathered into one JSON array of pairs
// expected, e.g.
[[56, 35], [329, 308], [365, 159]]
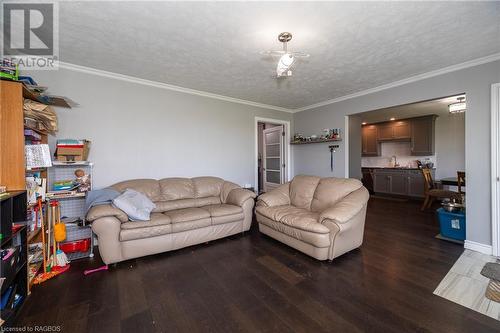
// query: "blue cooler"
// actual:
[[452, 224]]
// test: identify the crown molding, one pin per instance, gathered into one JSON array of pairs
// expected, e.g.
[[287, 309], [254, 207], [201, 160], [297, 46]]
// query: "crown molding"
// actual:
[[156, 84], [415, 78]]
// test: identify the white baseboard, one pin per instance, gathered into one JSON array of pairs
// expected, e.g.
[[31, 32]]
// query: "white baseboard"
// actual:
[[478, 247]]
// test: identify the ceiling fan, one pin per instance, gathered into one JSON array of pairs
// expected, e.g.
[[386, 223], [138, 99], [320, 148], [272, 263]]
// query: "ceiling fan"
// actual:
[[287, 58]]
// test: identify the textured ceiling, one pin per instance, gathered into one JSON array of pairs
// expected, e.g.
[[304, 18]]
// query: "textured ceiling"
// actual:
[[214, 46]]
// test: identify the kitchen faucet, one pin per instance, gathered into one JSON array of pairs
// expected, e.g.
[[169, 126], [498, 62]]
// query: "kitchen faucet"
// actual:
[[395, 160]]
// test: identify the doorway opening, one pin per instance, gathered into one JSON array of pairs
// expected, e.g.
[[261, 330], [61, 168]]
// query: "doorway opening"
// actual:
[[272, 154], [416, 152]]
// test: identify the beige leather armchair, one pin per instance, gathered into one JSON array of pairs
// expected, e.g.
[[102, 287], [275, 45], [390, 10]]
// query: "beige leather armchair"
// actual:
[[188, 211], [322, 217]]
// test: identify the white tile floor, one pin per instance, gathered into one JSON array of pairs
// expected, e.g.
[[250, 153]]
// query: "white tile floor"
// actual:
[[466, 286]]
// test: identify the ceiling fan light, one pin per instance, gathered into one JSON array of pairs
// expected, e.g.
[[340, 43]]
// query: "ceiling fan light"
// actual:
[[458, 107], [286, 61]]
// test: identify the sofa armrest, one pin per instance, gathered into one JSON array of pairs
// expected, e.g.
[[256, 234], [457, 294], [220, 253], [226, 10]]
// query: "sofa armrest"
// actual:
[[347, 208], [278, 197], [107, 229], [99, 211], [238, 196]]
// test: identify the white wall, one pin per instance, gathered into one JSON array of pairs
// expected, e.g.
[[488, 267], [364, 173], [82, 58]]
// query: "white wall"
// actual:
[[450, 145], [475, 82], [140, 131]]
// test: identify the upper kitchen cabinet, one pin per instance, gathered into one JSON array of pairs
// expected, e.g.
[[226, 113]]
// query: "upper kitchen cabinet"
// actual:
[[402, 130], [370, 145], [394, 130], [422, 135]]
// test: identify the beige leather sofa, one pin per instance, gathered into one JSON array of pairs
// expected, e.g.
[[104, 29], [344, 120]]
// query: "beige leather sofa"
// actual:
[[322, 217], [188, 211]]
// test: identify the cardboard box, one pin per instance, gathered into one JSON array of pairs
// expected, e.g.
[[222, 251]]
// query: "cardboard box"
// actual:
[[70, 154]]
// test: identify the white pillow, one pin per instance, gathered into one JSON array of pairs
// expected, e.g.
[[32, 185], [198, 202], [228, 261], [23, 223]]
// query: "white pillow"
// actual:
[[136, 205]]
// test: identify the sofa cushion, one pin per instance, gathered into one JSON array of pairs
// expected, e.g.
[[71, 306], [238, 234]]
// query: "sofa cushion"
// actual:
[[205, 201], [187, 214], [156, 219], [207, 186], [165, 206], [224, 213], [227, 218], [302, 190], [294, 217], [148, 232], [313, 238], [226, 188], [176, 188], [223, 209], [331, 190], [190, 225], [148, 187]]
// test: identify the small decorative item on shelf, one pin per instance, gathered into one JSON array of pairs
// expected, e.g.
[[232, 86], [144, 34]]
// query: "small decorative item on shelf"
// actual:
[[83, 180], [328, 134]]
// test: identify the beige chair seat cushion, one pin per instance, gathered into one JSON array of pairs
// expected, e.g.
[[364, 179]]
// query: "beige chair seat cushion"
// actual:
[[187, 214], [313, 238], [294, 217]]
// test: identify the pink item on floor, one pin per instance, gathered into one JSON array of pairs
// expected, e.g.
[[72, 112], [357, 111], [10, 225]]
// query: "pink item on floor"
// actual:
[[90, 271]]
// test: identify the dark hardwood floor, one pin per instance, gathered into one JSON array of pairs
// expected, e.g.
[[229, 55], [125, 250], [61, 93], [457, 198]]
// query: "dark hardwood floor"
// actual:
[[252, 283]]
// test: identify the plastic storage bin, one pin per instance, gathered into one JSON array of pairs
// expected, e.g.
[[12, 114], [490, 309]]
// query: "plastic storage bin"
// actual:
[[452, 224]]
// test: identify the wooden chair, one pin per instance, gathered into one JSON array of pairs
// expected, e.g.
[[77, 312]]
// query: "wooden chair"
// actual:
[[432, 192]]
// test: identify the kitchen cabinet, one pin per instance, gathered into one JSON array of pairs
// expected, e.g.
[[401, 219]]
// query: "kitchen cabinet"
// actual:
[[422, 135], [370, 145], [415, 184], [394, 130], [399, 182], [367, 178], [381, 182], [402, 130], [384, 132]]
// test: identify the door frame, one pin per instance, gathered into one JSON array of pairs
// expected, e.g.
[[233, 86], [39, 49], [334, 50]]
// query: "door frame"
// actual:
[[287, 157], [495, 169]]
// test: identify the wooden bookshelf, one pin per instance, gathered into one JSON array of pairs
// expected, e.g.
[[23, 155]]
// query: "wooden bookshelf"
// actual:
[[12, 165]]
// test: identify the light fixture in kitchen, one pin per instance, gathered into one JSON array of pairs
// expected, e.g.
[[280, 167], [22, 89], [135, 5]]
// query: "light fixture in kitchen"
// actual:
[[459, 106], [287, 58]]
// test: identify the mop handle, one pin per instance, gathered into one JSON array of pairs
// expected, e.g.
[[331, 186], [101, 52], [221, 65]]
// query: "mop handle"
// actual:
[[43, 236]]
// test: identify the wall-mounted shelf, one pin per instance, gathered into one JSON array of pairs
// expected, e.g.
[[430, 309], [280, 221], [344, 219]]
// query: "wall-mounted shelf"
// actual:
[[314, 141]]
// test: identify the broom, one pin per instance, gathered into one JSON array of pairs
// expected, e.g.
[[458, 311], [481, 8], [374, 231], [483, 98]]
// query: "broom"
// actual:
[[53, 269], [59, 257]]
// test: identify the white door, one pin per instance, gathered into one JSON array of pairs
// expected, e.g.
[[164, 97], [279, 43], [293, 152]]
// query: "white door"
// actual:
[[273, 158], [495, 168]]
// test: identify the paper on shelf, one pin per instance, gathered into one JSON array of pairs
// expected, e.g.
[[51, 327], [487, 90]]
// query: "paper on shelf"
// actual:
[[37, 156]]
